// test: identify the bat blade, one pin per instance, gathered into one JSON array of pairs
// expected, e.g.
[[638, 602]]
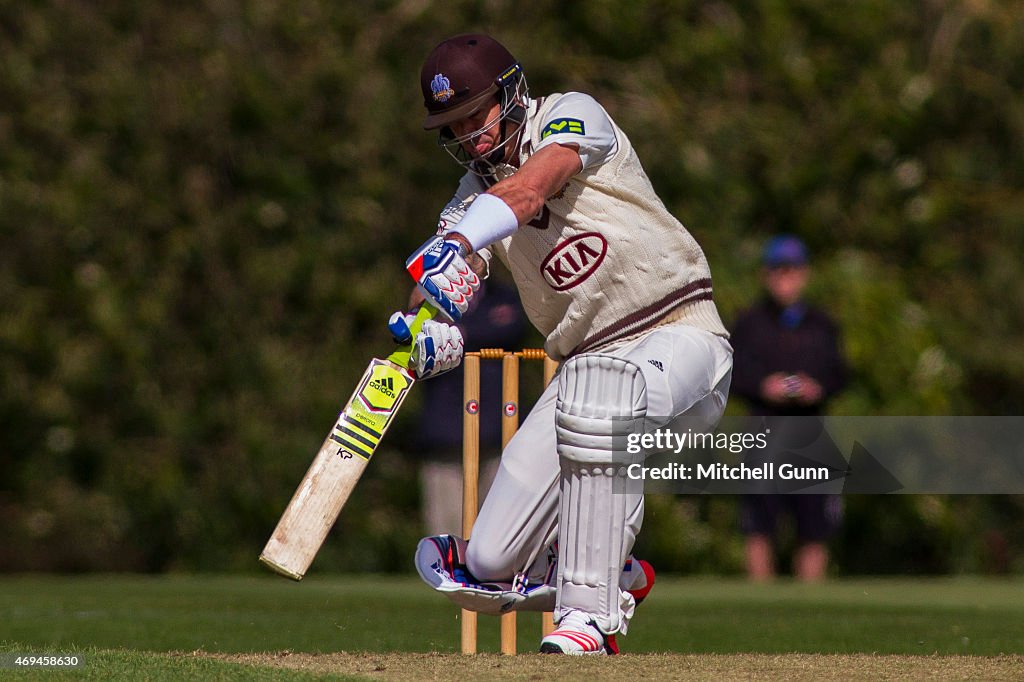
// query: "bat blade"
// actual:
[[340, 462]]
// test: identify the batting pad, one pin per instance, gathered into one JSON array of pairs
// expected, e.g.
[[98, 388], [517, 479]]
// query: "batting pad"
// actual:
[[600, 399]]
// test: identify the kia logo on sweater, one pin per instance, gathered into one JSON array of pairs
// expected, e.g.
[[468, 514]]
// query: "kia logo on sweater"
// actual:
[[574, 260]]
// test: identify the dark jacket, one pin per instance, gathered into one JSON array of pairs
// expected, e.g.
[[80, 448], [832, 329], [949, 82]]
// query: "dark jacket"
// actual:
[[767, 339]]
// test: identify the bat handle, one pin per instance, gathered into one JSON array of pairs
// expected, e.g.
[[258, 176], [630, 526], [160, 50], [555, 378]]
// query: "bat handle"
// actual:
[[401, 356]]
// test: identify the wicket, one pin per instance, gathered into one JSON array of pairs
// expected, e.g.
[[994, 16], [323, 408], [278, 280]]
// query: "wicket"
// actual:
[[471, 461]]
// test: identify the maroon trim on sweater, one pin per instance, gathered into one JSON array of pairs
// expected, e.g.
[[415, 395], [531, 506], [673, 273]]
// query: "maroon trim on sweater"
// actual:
[[648, 317]]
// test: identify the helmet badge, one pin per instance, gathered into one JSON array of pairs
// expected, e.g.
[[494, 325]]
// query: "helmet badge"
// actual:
[[442, 88]]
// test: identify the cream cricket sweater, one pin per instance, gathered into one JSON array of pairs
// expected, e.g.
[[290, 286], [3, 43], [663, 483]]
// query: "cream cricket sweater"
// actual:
[[605, 261]]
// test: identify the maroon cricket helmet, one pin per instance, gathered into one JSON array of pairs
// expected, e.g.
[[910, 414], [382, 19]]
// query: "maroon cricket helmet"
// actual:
[[461, 75]]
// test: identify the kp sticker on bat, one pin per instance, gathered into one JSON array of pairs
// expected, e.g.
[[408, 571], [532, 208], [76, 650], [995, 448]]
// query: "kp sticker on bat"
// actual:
[[340, 462]]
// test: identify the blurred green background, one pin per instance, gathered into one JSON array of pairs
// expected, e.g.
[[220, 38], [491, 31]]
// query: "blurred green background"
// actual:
[[205, 208]]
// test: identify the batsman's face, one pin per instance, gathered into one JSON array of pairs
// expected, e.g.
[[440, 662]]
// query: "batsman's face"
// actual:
[[479, 132]]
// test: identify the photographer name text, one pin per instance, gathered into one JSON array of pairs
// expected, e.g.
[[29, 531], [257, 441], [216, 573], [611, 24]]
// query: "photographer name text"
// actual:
[[719, 471]]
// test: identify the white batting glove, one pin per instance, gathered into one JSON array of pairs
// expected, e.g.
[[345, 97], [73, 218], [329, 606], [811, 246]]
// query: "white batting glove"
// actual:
[[437, 349], [443, 276]]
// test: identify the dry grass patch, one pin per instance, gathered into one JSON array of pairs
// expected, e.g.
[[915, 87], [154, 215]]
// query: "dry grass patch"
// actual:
[[642, 666]]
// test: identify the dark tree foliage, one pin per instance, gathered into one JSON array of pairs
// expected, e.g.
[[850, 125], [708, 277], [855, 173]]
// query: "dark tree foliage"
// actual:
[[205, 208]]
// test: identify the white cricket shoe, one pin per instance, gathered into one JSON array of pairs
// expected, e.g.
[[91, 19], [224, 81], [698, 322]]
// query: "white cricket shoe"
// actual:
[[577, 635]]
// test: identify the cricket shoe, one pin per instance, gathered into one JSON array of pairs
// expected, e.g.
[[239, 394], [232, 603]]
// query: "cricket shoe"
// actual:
[[637, 578], [577, 635]]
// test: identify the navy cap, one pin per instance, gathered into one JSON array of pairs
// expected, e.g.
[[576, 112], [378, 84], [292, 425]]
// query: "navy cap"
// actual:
[[784, 249]]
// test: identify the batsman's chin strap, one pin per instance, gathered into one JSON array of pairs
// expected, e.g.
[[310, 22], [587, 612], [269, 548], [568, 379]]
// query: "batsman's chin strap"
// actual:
[[401, 356]]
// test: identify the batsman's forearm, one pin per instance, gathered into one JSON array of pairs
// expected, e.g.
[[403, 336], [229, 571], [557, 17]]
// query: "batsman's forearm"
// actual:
[[542, 175]]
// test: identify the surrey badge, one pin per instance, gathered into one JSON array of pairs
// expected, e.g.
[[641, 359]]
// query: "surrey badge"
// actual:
[[441, 88]]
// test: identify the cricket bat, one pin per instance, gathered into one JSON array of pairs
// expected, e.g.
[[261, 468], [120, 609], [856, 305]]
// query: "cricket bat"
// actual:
[[341, 461]]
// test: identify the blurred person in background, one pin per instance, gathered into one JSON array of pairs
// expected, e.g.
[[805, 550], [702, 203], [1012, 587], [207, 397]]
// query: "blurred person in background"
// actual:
[[787, 362], [495, 319]]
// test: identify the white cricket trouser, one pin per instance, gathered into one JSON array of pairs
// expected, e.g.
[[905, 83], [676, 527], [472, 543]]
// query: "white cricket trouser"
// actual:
[[687, 371]]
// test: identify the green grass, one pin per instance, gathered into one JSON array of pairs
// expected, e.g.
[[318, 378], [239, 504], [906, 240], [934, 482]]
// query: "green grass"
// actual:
[[123, 623], [136, 665]]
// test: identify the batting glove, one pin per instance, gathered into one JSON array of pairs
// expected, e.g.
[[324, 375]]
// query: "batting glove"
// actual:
[[443, 276], [437, 348]]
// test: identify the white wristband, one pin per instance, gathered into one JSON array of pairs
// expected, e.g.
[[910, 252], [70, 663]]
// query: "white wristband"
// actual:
[[488, 220]]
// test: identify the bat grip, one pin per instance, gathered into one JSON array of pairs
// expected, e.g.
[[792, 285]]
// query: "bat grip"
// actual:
[[401, 356]]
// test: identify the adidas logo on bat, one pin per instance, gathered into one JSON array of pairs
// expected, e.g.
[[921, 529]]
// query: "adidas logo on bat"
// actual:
[[385, 386]]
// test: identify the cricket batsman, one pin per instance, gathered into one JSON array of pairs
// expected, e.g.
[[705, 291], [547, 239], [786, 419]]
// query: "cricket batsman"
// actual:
[[622, 292]]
